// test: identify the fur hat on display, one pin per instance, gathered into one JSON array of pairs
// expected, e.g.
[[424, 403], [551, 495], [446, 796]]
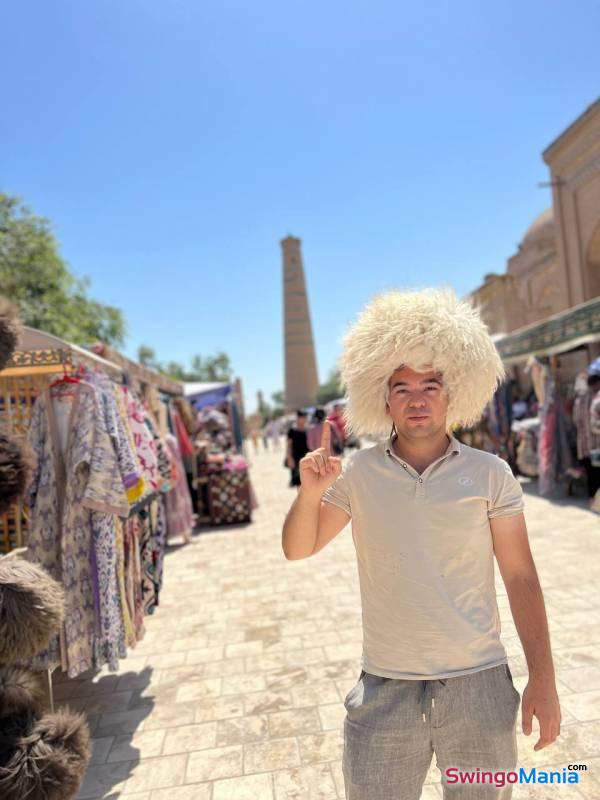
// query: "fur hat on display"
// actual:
[[46, 759], [10, 331], [31, 609], [424, 330], [42, 756], [20, 688], [15, 468]]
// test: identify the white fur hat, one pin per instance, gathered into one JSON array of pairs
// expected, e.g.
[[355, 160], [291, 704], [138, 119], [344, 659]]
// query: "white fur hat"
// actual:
[[424, 330]]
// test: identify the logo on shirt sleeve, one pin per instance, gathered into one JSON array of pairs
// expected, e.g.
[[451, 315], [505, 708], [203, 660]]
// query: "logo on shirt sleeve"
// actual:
[[465, 481]]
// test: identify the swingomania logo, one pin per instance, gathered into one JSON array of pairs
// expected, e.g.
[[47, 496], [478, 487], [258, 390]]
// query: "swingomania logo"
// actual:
[[498, 778], [465, 481]]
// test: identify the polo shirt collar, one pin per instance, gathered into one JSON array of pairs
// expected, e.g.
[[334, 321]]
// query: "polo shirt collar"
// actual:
[[453, 446]]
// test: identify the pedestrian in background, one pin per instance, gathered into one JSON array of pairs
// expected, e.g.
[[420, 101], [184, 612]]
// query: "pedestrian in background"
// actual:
[[315, 433], [337, 418], [297, 447], [254, 437], [273, 433]]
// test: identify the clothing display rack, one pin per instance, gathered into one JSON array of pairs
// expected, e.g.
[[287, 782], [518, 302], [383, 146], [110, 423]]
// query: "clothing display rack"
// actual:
[[39, 359], [101, 530]]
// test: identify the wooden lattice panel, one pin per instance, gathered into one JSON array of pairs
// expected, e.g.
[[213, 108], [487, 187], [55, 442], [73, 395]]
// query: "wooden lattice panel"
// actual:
[[17, 396]]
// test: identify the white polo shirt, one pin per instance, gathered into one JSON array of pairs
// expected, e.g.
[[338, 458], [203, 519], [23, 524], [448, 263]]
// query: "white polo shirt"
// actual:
[[425, 558]]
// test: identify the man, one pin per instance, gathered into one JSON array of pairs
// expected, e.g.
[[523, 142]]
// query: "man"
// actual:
[[428, 515], [297, 447]]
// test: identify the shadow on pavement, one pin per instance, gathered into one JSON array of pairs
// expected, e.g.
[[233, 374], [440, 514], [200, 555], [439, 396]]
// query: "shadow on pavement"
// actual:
[[115, 706]]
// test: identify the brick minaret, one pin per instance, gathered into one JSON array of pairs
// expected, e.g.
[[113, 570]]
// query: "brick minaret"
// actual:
[[301, 380]]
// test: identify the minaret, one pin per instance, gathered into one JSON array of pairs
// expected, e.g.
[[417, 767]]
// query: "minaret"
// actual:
[[301, 380]]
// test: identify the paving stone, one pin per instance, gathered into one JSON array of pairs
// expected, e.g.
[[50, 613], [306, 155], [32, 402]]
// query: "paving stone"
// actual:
[[141, 744], [321, 747], [157, 773], [213, 764], [187, 738], [294, 722], [275, 754], [240, 730], [250, 787], [305, 783], [101, 749]]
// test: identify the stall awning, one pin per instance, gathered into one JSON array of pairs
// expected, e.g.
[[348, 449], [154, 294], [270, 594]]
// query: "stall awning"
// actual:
[[42, 353], [565, 331], [201, 395]]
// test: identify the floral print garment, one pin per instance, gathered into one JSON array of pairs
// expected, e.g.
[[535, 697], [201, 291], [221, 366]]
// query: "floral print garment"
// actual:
[[77, 473], [160, 541], [178, 502], [117, 429], [165, 469], [143, 441], [147, 559], [130, 635], [133, 575], [109, 641]]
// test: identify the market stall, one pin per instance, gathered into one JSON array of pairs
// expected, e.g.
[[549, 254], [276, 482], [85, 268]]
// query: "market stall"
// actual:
[[225, 397], [545, 363], [96, 516], [223, 489]]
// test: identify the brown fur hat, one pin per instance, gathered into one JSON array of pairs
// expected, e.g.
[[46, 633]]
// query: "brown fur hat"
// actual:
[[10, 330], [16, 460], [31, 609], [46, 762], [20, 688]]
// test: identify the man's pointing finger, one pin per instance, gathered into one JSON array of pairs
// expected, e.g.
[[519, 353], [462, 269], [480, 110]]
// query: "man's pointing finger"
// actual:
[[326, 437]]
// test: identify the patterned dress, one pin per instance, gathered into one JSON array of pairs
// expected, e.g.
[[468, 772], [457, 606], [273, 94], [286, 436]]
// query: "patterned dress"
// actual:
[[178, 502], [76, 486]]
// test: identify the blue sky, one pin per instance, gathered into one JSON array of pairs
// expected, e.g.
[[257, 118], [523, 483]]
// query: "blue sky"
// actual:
[[173, 144]]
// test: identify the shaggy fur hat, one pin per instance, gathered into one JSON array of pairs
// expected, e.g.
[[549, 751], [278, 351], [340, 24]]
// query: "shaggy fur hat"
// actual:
[[20, 688], [10, 331], [16, 461], [424, 330], [43, 759], [31, 609]]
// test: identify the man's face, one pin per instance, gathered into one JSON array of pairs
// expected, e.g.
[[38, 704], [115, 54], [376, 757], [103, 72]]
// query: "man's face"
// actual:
[[418, 403], [301, 422]]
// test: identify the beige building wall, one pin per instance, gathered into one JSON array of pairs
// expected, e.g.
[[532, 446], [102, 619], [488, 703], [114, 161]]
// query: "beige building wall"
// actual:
[[557, 263], [301, 379], [574, 161], [539, 278], [498, 303]]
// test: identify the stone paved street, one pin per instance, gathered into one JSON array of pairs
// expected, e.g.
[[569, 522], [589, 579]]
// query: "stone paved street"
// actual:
[[236, 691]]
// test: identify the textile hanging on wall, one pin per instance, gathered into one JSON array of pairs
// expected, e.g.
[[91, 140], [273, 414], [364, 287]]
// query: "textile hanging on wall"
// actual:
[[554, 452]]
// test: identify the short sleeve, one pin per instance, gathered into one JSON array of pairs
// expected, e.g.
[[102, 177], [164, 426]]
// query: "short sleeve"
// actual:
[[339, 493], [506, 495]]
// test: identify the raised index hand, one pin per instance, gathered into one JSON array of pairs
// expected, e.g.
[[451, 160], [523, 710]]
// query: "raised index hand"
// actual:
[[326, 438], [319, 469]]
